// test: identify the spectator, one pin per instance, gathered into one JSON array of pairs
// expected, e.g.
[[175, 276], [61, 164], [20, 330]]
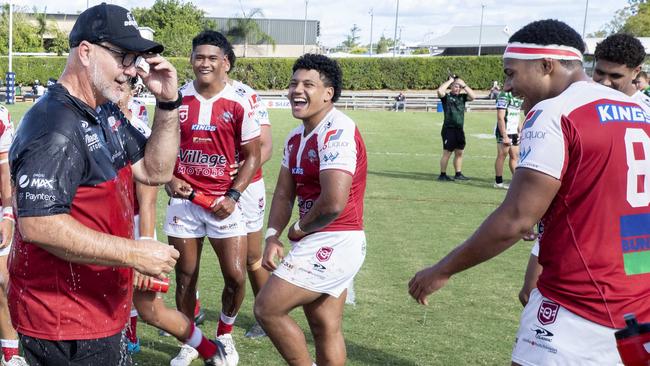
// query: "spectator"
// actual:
[[453, 135], [507, 131], [494, 90], [641, 83], [400, 102]]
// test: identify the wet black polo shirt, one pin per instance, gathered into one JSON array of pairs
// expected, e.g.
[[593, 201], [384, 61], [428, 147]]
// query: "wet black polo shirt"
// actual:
[[70, 159]]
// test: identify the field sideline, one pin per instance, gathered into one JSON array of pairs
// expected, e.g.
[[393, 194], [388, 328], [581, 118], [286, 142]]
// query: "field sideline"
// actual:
[[411, 221]]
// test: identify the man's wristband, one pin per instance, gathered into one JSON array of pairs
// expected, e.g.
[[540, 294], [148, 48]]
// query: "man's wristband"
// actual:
[[170, 106], [270, 232], [234, 194]]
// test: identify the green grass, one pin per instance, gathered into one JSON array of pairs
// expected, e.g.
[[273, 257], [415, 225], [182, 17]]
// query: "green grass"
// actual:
[[411, 221]]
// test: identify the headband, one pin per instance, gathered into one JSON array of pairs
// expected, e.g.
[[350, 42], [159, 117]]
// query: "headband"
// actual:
[[531, 51]]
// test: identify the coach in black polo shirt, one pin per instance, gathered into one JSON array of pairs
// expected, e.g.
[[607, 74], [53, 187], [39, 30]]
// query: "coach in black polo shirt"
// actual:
[[72, 264], [453, 135]]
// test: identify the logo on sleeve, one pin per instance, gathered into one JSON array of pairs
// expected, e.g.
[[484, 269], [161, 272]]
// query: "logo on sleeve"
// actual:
[[330, 157], [531, 117], [333, 135]]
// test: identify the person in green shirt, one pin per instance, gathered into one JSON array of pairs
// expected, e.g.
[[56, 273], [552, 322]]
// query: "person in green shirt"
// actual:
[[641, 83], [507, 131], [453, 135]]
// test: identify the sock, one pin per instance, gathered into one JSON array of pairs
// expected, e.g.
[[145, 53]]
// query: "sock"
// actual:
[[198, 341], [132, 329], [197, 307], [225, 324], [498, 179], [459, 173], [9, 348]]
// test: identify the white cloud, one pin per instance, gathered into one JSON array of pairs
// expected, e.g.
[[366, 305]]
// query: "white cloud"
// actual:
[[418, 19]]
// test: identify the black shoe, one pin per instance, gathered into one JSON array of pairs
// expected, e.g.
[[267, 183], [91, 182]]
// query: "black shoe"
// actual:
[[460, 177], [218, 359], [444, 178], [200, 317]]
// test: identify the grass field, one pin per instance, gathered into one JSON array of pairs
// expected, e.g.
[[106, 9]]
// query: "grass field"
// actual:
[[411, 221]]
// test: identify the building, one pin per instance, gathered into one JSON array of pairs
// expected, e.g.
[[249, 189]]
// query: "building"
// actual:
[[289, 34], [465, 40]]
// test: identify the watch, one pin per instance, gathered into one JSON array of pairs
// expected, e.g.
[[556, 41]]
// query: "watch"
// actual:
[[170, 106]]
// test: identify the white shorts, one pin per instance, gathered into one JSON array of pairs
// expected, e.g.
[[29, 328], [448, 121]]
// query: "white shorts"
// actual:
[[324, 262], [136, 228], [253, 203], [187, 220], [549, 334]]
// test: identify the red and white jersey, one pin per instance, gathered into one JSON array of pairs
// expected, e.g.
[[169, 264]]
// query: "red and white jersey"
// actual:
[[212, 132], [260, 114], [139, 110], [6, 129], [334, 144], [596, 244]]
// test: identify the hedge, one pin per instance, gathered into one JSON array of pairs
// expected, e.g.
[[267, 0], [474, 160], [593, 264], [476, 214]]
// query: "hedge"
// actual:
[[358, 73]]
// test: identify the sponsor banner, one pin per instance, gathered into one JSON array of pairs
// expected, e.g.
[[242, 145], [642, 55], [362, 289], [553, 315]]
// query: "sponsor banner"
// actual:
[[277, 103]]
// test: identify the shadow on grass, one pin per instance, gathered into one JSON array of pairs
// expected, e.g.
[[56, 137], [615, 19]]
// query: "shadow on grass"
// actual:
[[405, 175], [374, 356]]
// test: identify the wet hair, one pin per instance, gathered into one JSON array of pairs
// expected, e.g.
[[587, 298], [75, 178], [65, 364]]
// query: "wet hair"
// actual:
[[621, 49], [329, 70], [549, 32], [212, 38]]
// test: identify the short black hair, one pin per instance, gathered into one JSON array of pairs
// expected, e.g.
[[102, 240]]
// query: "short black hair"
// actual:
[[212, 38], [642, 74], [329, 70], [621, 48], [231, 59], [549, 32]]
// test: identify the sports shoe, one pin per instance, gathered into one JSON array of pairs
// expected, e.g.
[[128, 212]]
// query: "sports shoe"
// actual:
[[220, 358], [460, 177], [14, 361], [444, 178], [185, 357], [256, 331], [232, 357], [133, 348], [200, 317], [501, 186]]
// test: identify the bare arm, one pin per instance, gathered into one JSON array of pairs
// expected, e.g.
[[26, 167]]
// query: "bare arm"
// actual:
[[7, 224], [335, 189], [161, 150], [470, 93], [281, 208], [68, 239], [529, 196], [147, 196], [266, 144], [442, 89]]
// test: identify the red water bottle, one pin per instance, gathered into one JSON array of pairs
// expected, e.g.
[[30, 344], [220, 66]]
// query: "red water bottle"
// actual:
[[633, 342], [201, 200], [159, 285]]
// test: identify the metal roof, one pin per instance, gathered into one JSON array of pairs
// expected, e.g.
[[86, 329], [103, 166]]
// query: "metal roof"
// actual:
[[283, 31], [468, 36]]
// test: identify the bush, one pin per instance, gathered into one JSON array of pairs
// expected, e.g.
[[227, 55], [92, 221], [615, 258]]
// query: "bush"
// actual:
[[275, 73]]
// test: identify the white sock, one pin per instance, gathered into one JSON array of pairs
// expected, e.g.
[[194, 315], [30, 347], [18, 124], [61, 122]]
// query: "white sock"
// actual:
[[9, 343], [195, 338], [227, 319]]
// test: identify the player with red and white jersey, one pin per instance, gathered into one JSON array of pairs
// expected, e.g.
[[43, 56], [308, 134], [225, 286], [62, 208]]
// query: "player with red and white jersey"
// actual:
[[8, 335], [582, 172], [253, 199], [217, 130], [324, 169], [139, 110]]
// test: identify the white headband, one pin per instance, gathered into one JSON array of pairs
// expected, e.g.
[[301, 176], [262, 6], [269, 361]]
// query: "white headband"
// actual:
[[531, 51]]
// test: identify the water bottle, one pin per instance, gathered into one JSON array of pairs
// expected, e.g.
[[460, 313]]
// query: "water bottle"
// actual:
[[159, 285], [201, 200], [633, 342]]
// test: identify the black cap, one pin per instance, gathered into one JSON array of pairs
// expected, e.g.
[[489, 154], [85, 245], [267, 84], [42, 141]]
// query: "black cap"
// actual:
[[114, 24]]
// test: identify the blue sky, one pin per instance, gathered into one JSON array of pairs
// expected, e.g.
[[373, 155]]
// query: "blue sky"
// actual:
[[418, 19]]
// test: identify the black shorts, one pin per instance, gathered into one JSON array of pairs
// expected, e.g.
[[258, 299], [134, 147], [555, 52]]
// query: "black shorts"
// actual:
[[453, 138], [514, 138], [109, 351]]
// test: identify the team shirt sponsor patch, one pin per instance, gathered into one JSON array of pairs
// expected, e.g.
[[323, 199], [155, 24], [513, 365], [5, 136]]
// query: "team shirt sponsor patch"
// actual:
[[635, 243]]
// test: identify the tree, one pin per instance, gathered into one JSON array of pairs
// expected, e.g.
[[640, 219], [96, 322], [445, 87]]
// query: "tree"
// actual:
[[638, 24], [24, 37], [59, 43], [352, 40], [175, 24], [247, 30], [384, 44], [41, 24]]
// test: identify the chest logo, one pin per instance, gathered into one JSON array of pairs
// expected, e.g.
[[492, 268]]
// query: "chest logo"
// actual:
[[183, 113]]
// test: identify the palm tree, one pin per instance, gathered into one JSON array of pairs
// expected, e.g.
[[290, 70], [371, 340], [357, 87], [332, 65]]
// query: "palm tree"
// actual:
[[41, 27], [246, 29]]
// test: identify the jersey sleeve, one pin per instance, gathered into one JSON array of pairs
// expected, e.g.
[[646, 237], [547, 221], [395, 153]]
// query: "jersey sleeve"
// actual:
[[286, 151], [260, 113], [250, 127], [338, 149], [141, 126], [47, 174], [502, 101], [543, 144], [6, 130]]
